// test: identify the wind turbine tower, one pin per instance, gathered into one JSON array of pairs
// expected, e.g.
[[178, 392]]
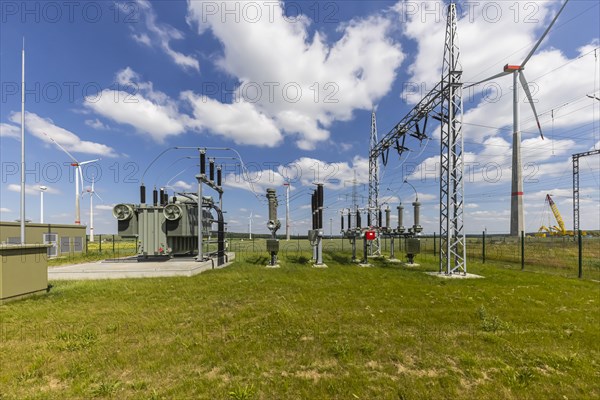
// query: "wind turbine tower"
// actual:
[[517, 217], [92, 193], [78, 177]]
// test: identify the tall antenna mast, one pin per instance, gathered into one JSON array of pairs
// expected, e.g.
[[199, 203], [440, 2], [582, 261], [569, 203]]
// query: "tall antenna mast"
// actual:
[[23, 143]]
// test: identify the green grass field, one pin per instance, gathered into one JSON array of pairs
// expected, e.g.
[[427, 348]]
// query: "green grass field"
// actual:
[[247, 332]]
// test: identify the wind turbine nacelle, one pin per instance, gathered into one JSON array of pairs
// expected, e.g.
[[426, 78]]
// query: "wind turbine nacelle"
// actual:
[[512, 68]]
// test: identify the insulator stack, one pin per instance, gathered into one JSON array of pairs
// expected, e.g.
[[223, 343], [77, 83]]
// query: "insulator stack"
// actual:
[[202, 163]]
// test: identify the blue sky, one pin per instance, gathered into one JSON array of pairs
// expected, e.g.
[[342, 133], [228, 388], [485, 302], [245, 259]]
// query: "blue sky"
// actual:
[[124, 81]]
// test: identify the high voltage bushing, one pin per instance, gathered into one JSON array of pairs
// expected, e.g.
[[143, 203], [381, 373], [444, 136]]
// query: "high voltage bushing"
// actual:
[[387, 219], [358, 221], [273, 225], [400, 218], [342, 221], [202, 162], [219, 176], [417, 210], [349, 219], [379, 219], [315, 235], [142, 194], [161, 196], [155, 197], [314, 206], [211, 169], [272, 198]]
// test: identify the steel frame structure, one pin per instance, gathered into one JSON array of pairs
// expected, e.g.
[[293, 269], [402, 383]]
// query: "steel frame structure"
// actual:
[[443, 103], [373, 203], [452, 235], [576, 158]]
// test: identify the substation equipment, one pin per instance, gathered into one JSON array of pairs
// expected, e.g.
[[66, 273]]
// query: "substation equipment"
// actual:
[[354, 231], [315, 235], [169, 227], [273, 225], [444, 104]]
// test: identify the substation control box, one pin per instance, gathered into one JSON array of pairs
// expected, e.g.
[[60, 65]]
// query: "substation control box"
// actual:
[[413, 246], [273, 245]]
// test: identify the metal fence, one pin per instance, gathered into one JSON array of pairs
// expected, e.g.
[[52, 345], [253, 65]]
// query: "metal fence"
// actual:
[[566, 256]]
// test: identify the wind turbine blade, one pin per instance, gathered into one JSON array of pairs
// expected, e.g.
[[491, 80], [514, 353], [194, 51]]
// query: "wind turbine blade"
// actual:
[[539, 42], [98, 196], [501, 74], [62, 148], [90, 161], [530, 98]]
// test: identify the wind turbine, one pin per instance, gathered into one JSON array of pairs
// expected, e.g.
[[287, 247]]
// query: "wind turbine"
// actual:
[[92, 193], [517, 218], [78, 176]]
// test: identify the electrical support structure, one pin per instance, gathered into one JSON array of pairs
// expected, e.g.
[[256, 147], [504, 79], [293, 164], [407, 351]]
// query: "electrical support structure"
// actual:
[[443, 103], [452, 235], [576, 158], [373, 203]]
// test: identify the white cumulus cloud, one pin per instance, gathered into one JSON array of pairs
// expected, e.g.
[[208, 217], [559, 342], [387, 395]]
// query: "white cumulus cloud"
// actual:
[[45, 128], [306, 82]]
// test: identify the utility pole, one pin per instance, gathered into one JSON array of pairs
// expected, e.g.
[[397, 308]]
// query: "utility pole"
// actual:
[[22, 211]]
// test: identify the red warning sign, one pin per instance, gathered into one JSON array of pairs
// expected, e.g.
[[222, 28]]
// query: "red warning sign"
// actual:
[[370, 235]]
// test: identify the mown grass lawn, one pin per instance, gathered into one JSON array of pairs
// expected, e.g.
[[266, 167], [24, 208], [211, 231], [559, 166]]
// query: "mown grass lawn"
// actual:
[[246, 332]]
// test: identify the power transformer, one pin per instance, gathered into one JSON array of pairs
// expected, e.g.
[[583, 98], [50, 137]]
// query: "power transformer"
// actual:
[[165, 230]]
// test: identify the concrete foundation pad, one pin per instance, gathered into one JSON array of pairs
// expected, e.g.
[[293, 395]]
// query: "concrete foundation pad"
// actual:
[[365, 265], [393, 260], [320, 266], [410, 265], [455, 276], [125, 268], [273, 266]]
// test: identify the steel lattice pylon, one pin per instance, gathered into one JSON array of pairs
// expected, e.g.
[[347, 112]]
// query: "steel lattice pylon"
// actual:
[[373, 204], [576, 158], [452, 235], [447, 95]]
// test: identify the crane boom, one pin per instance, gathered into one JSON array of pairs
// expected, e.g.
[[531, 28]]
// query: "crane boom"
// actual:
[[559, 220]]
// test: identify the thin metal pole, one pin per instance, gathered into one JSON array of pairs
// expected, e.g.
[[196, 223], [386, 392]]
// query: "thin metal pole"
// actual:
[[23, 144], [483, 248], [200, 254], [580, 251], [41, 206]]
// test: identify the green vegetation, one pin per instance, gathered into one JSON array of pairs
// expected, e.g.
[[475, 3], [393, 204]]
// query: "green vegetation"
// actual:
[[247, 332]]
